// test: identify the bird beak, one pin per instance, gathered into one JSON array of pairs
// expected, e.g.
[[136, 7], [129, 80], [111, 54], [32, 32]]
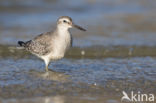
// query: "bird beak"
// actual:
[[78, 27]]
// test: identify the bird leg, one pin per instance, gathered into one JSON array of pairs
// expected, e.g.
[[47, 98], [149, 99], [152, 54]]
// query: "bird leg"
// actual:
[[46, 65], [46, 68]]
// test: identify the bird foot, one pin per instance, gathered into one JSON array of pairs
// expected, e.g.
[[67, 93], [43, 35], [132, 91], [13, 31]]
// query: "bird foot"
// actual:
[[45, 75]]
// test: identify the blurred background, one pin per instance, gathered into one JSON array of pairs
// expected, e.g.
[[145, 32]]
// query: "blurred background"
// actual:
[[117, 53], [109, 22]]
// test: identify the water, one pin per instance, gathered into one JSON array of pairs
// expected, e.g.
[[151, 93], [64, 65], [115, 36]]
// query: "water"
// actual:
[[89, 79], [117, 53], [108, 22]]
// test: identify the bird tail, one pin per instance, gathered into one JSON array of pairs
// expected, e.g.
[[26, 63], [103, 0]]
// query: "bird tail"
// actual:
[[21, 43]]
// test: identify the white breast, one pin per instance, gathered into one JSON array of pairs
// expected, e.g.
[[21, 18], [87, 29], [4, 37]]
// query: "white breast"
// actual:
[[62, 44]]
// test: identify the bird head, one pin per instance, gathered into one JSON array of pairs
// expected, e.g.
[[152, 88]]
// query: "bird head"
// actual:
[[66, 23]]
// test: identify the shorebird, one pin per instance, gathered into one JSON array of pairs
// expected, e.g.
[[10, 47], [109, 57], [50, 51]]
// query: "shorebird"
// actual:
[[54, 44]]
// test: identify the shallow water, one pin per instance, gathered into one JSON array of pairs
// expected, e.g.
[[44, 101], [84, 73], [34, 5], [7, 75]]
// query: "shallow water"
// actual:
[[92, 74], [90, 80], [117, 53]]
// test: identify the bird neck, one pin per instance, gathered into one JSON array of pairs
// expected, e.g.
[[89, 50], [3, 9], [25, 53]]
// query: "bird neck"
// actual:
[[62, 30]]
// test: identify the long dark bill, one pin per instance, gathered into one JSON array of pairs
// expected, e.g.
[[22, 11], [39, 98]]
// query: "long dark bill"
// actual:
[[79, 27]]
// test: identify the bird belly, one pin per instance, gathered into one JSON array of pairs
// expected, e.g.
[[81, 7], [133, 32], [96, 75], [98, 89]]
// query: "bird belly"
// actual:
[[58, 53], [56, 56], [51, 56]]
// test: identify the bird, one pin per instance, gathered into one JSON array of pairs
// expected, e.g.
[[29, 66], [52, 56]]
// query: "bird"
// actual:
[[52, 45]]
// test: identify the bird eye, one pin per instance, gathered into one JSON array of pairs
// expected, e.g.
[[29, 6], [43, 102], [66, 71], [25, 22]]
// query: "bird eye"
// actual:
[[64, 21]]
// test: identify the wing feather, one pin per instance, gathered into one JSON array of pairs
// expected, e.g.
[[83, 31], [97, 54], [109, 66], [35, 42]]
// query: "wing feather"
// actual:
[[40, 44]]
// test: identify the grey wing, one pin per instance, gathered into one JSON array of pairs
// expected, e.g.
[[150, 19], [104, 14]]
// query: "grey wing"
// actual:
[[40, 45]]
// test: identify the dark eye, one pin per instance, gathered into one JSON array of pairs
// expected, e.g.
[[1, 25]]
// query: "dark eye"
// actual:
[[64, 21]]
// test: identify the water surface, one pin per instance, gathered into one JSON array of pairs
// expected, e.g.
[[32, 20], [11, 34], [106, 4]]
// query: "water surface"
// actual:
[[117, 53]]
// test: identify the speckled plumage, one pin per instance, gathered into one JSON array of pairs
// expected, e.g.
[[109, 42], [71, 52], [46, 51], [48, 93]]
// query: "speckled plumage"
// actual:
[[43, 44]]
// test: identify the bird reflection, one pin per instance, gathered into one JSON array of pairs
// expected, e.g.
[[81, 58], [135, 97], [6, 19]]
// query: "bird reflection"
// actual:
[[55, 99], [52, 75]]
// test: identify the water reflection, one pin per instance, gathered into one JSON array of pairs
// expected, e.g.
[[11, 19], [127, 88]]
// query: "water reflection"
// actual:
[[63, 99], [54, 99], [51, 75]]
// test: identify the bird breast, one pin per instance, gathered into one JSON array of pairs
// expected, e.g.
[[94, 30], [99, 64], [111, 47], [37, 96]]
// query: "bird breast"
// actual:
[[61, 44]]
